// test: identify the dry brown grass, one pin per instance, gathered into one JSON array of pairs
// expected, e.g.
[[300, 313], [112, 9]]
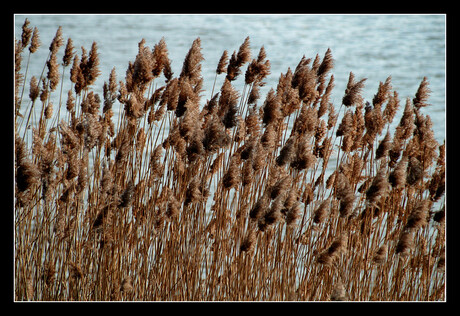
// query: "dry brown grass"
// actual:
[[235, 198]]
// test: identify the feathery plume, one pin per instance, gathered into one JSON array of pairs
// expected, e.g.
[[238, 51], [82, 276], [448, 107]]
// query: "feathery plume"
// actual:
[[171, 94], [324, 103], [26, 33], [142, 72], [70, 104], [173, 208], [406, 125], [320, 213], [127, 195], [326, 65], [304, 157], [391, 108], [299, 70], [332, 117], [271, 108], [380, 255], [231, 178], [346, 125], [228, 102], [244, 53], [287, 152], [254, 94], [272, 215], [126, 285], [222, 65], [18, 76], [192, 63], [374, 123], [293, 214], [280, 187], [379, 186], [257, 69], [440, 216], [422, 95], [344, 194], [419, 215], [405, 243], [75, 70], [190, 120], [397, 177], [260, 207], [48, 111], [339, 293], [27, 173], [57, 41], [160, 59], [53, 71], [306, 83], [237, 60], [440, 266], [34, 90], [109, 91], [247, 176], [193, 193], [414, 171], [383, 92], [215, 136], [384, 146], [333, 252], [437, 184], [89, 65], [68, 53], [248, 243], [320, 131], [353, 91], [35, 42]]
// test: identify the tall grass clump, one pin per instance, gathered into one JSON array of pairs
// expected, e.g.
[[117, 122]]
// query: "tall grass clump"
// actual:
[[150, 192]]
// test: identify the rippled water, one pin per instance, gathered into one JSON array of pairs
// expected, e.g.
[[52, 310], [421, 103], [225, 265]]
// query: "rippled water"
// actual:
[[407, 47]]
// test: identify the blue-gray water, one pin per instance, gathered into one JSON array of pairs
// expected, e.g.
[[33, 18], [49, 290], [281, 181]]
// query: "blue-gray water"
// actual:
[[405, 47]]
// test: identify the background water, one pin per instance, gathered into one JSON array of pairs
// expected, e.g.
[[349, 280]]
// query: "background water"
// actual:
[[407, 47]]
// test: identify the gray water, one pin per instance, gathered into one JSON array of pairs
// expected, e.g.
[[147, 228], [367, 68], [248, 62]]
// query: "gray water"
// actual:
[[405, 47]]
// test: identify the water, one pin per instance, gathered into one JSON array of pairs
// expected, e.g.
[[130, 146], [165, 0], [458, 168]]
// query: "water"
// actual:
[[407, 47]]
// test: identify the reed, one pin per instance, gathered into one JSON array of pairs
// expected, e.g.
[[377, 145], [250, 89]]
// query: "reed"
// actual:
[[238, 198]]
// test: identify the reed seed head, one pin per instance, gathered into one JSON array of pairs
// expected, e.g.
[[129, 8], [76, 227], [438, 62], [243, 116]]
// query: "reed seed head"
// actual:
[[353, 91], [339, 293], [405, 243], [419, 215], [380, 255], [35, 42], [222, 65], [422, 95]]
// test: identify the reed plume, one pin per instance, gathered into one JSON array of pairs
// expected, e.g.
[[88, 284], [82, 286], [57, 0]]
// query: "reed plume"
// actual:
[[35, 41], [422, 94], [353, 91], [380, 254], [222, 65], [237, 60], [378, 188]]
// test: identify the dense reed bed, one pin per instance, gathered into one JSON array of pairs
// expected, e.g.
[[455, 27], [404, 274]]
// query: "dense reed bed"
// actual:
[[150, 192]]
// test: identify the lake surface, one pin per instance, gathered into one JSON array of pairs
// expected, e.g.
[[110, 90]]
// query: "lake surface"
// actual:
[[405, 47]]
